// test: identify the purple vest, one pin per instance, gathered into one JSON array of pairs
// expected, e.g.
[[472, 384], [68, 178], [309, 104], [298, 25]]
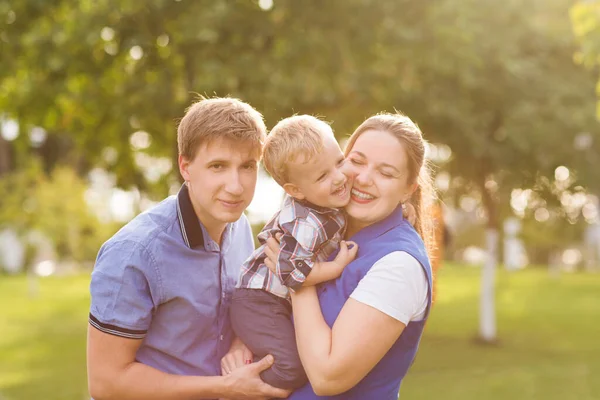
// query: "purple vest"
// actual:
[[375, 241]]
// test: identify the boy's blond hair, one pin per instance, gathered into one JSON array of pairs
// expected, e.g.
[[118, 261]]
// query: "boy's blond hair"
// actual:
[[219, 117], [300, 135]]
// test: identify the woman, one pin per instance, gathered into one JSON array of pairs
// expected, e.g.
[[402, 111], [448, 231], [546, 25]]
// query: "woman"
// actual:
[[358, 335]]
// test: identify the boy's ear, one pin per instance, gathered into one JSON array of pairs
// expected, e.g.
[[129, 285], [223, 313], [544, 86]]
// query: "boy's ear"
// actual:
[[293, 191]]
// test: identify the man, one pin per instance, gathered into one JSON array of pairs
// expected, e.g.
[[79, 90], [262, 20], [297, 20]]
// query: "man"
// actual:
[[161, 286]]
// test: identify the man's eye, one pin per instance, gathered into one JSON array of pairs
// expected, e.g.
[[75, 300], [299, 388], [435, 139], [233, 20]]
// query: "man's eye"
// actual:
[[216, 167], [250, 167]]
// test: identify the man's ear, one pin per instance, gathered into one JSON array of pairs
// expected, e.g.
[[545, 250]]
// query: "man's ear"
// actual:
[[184, 164], [293, 191]]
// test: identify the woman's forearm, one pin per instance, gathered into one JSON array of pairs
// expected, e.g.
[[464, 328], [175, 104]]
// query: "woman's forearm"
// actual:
[[314, 338]]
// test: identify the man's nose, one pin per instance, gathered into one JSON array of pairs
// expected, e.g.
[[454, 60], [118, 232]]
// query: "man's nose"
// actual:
[[234, 185]]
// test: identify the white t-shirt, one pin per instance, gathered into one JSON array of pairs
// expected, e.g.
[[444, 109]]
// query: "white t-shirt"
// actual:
[[397, 286]]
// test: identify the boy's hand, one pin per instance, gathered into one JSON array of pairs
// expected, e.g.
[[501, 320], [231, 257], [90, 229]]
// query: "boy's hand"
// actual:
[[409, 213], [346, 255]]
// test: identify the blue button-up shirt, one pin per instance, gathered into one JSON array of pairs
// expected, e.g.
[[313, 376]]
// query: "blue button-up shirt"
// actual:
[[162, 278]]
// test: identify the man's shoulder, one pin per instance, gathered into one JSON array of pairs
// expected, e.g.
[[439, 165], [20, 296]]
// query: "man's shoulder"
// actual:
[[147, 226]]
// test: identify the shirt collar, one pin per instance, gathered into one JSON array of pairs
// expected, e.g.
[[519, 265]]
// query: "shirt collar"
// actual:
[[379, 228], [188, 220]]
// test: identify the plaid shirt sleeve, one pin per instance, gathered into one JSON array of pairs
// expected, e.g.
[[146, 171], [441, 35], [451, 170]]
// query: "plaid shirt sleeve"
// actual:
[[301, 239]]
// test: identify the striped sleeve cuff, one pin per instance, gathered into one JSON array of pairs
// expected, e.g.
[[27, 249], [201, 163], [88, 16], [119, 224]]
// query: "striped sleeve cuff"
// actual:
[[116, 330]]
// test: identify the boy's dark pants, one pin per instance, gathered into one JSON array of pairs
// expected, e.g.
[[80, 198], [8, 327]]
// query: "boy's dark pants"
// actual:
[[263, 322]]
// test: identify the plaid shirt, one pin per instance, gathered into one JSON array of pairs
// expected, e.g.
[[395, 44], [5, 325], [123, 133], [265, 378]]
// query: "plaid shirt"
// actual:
[[310, 234]]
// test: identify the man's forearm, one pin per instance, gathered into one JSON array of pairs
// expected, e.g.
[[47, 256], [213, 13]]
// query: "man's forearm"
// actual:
[[140, 381]]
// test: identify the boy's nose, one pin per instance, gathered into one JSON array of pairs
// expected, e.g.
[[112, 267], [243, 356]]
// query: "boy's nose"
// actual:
[[340, 178]]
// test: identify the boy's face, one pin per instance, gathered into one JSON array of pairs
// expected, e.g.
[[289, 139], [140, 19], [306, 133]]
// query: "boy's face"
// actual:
[[221, 180], [320, 180]]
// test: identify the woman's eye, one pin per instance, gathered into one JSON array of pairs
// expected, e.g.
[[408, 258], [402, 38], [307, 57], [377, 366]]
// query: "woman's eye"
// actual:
[[321, 177], [355, 161]]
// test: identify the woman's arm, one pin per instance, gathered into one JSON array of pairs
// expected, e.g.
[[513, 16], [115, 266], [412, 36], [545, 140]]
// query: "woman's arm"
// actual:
[[337, 359], [392, 293]]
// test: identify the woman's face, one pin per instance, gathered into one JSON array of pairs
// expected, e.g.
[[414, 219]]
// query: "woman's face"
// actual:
[[379, 165]]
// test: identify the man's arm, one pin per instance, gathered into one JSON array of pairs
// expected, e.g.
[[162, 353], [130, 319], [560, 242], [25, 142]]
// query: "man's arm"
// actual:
[[113, 373]]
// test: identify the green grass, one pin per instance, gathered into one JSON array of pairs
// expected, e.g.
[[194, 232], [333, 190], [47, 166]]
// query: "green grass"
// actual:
[[42, 339], [549, 347], [549, 332]]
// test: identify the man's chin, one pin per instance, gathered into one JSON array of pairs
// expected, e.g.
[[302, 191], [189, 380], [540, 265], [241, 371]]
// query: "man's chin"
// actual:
[[230, 216]]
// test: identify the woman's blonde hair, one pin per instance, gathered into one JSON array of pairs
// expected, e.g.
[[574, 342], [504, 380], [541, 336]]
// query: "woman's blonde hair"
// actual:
[[410, 136]]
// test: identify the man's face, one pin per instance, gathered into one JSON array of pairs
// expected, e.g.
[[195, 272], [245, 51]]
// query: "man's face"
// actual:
[[221, 180]]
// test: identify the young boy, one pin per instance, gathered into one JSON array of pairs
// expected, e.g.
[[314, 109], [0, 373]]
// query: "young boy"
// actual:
[[303, 156]]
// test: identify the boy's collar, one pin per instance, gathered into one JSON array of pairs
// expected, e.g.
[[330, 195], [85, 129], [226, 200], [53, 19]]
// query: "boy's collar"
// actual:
[[319, 209]]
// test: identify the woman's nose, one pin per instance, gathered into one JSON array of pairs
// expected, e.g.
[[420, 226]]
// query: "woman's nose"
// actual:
[[364, 177]]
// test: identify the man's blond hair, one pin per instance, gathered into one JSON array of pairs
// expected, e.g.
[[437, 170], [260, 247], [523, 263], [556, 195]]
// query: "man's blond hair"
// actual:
[[291, 138], [219, 117]]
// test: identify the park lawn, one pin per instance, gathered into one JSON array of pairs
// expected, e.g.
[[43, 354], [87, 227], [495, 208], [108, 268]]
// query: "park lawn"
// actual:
[[549, 344]]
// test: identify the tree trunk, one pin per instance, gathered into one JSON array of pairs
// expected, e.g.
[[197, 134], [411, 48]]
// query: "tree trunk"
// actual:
[[487, 309], [5, 159]]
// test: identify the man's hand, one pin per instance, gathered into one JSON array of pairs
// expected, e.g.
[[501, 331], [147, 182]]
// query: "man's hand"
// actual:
[[238, 356], [245, 382]]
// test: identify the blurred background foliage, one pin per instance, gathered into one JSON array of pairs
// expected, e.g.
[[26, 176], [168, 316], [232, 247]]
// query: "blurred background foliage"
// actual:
[[101, 84]]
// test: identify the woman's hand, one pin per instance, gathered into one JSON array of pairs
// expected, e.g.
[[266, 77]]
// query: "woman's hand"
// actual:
[[272, 252]]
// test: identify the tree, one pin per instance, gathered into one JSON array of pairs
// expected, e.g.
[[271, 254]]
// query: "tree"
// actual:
[[494, 81]]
